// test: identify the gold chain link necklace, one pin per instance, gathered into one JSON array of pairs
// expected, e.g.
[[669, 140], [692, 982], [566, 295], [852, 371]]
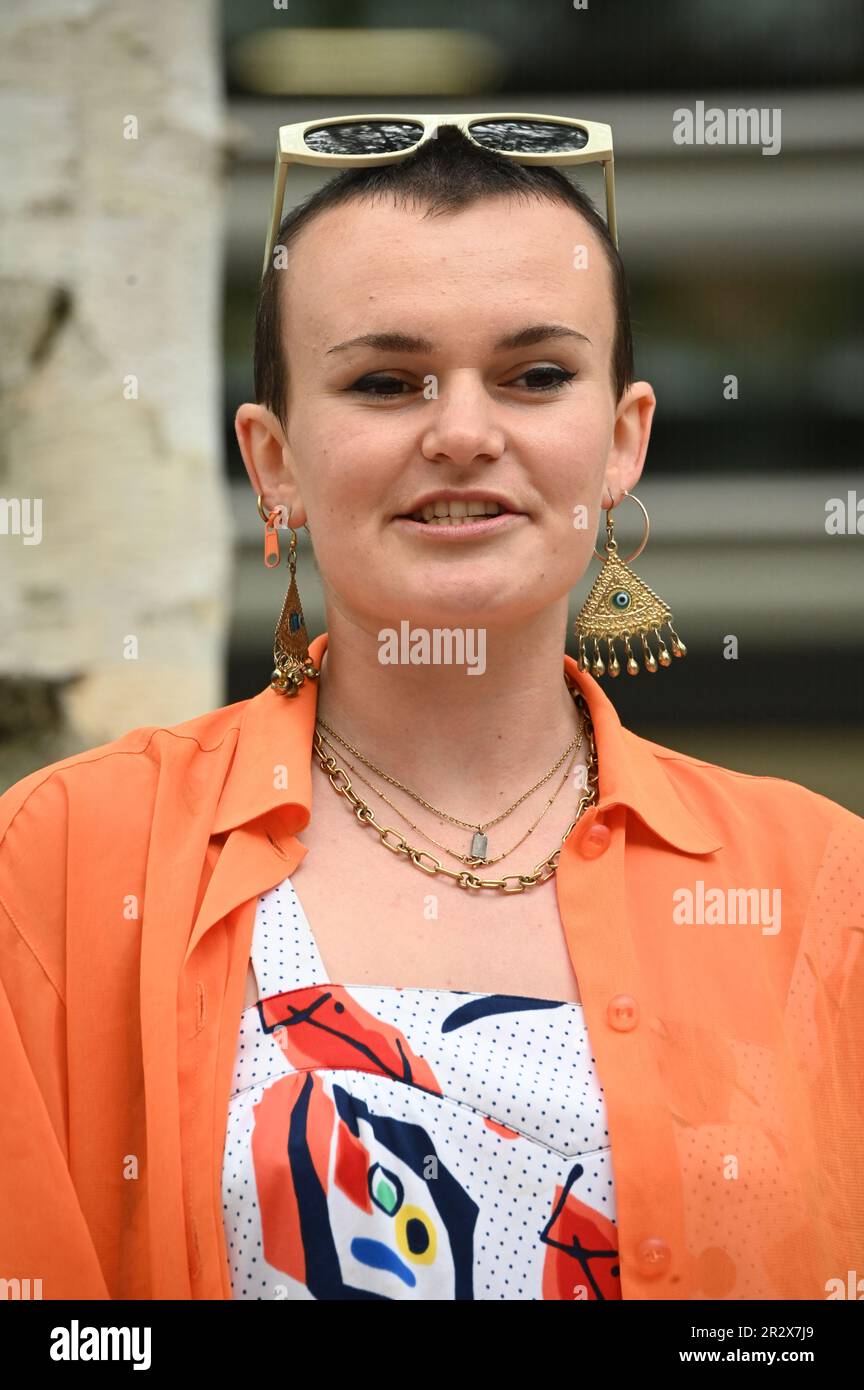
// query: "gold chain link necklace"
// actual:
[[468, 859], [479, 843], [464, 877]]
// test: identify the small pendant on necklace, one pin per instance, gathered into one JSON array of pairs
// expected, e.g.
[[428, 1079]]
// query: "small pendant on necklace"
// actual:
[[478, 846]]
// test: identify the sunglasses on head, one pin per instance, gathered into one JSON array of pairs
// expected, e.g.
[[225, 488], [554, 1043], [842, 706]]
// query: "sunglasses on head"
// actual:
[[344, 141]]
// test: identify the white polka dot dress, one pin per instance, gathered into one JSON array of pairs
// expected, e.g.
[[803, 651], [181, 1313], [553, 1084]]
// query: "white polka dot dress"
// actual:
[[389, 1143]]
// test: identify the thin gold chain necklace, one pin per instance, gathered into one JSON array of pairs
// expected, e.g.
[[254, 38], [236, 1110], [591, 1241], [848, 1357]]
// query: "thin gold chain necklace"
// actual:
[[479, 842], [471, 860], [464, 877]]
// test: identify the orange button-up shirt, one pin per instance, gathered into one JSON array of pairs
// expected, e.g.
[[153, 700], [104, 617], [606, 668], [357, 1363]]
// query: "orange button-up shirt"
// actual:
[[727, 1025]]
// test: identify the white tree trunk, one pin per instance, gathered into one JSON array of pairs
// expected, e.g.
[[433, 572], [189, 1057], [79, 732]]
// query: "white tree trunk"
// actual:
[[110, 284]]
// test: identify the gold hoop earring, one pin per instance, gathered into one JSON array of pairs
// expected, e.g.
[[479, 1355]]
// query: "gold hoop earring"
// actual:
[[621, 605], [291, 661]]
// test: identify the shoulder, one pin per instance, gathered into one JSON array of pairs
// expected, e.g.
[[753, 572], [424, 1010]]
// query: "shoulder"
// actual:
[[725, 786], [78, 829], [120, 777], [762, 820]]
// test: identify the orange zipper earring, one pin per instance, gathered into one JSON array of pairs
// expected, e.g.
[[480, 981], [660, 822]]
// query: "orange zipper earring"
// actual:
[[271, 535]]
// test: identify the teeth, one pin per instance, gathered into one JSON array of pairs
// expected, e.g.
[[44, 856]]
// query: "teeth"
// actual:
[[455, 512]]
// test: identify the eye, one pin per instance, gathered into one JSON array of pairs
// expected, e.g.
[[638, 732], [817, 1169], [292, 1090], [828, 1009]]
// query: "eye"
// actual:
[[620, 600], [377, 386], [545, 379]]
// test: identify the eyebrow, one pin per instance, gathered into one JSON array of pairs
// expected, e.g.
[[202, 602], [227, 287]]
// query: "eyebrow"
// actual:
[[402, 342]]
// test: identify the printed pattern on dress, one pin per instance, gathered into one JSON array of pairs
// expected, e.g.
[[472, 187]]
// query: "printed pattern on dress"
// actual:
[[390, 1143]]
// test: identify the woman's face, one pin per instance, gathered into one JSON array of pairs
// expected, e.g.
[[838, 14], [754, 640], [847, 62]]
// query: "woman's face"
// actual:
[[444, 405]]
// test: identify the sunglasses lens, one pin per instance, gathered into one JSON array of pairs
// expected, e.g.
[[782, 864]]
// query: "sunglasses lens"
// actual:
[[363, 137], [530, 137]]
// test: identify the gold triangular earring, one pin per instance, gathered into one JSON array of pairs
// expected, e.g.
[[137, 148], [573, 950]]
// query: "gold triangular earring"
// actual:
[[291, 659], [621, 605]]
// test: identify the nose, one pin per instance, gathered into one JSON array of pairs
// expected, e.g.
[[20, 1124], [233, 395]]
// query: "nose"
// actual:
[[461, 424]]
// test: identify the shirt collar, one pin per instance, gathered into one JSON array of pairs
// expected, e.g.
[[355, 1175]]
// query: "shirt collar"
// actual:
[[271, 772]]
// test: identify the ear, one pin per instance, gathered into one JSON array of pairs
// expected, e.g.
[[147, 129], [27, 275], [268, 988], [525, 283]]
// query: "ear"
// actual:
[[267, 460], [630, 435]]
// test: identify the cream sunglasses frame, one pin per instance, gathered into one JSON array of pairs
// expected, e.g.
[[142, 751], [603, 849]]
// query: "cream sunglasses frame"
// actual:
[[291, 149]]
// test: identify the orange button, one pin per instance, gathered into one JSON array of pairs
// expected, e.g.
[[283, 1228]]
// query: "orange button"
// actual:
[[653, 1256], [595, 840], [623, 1012]]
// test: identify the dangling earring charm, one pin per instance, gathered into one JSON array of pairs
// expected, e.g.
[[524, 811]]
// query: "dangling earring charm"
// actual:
[[621, 605], [292, 662], [271, 536]]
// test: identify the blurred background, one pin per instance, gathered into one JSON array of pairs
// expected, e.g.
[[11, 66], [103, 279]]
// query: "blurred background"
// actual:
[[137, 188]]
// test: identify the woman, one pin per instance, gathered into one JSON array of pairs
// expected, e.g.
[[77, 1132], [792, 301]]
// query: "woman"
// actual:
[[250, 1054]]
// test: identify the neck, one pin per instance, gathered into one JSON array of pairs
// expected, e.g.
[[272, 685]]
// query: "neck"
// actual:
[[470, 744]]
